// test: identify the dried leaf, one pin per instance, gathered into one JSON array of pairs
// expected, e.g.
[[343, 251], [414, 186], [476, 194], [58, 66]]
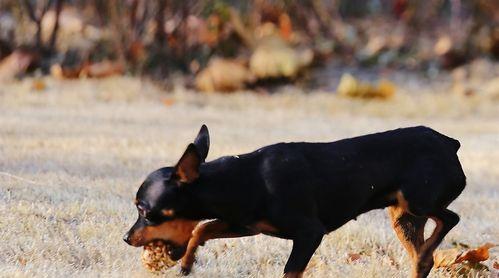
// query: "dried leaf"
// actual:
[[386, 89], [496, 265], [223, 75], [103, 69], [22, 261], [443, 45], [348, 85], [275, 58], [352, 257], [476, 255], [351, 87], [168, 101], [59, 72], [38, 85], [285, 26], [445, 258]]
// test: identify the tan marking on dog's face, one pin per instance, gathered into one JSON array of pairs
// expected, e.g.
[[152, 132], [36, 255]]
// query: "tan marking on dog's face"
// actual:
[[168, 212], [177, 231]]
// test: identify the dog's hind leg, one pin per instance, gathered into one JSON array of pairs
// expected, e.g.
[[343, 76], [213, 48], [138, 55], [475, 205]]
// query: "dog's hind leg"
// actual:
[[421, 206], [445, 220], [410, 231]]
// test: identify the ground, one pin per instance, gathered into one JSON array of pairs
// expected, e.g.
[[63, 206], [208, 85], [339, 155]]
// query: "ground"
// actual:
[[73, 155]]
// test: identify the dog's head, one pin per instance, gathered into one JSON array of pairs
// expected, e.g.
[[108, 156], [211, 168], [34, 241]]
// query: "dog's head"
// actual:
[[162, 201]]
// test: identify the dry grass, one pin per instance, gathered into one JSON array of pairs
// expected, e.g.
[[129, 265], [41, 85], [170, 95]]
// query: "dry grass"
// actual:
[[72, 157]]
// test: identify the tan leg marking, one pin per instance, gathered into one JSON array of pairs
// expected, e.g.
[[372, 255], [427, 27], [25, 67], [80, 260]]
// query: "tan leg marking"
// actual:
[[264, 227], [204, 232], [293, 275], [425, 256], [409, 230]]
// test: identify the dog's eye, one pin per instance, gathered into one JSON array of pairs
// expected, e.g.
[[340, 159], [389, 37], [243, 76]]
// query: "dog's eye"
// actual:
[[154, 218], [142, 210]]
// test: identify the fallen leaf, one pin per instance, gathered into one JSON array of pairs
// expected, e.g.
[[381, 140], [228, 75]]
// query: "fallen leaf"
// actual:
[[275, 58], [443, 45], [496, 265], [352, 257], [476, 255], [285, 26], [224, 75], [168, 101], [386, 89], [348, 85], [351, 87], [22, 261], [38, 85], [56, 71], [449, 257], [103, 69]]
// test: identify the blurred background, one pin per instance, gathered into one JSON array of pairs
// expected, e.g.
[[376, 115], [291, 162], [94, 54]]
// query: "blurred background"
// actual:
[[224, 45], [95, 94]]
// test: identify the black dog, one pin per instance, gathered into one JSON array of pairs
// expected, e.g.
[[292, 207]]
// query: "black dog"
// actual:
[[302, 191]]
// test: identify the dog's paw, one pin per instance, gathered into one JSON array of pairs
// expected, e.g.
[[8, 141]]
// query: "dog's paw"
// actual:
[[187, 263], [185, 270]]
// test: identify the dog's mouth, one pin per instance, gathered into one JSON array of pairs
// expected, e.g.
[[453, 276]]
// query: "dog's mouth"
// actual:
[[175, 252]]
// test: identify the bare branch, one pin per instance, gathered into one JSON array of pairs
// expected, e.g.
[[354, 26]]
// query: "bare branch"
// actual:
[[30, 10], [45, 9], [53, 36]]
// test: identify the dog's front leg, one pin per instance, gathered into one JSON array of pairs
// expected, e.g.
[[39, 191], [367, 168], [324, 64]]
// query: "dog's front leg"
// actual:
[[305, 242], [207, 231]]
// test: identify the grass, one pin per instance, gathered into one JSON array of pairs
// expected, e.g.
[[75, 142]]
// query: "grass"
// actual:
[[73, 156]]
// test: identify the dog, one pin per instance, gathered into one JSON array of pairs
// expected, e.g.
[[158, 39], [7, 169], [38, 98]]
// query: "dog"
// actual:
[[302, 191]]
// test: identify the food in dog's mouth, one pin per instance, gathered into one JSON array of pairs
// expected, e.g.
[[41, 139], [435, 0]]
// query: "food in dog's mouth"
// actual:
[[155, 256]]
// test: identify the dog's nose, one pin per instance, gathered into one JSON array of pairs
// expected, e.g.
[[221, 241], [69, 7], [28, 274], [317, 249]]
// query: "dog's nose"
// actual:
[[126, 238]]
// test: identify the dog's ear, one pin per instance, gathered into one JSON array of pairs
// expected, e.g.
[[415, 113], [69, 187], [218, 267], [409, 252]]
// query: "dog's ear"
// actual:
[[202, 142], [187, 168]]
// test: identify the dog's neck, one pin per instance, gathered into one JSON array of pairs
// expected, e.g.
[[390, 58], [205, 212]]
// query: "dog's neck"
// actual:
[[217, 191], [196, 204]]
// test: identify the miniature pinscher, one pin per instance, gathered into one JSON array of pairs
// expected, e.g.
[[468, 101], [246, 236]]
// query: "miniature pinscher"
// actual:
[[302, 191]]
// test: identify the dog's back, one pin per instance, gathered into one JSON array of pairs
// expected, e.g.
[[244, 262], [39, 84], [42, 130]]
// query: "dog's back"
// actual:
[[342, 179]]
